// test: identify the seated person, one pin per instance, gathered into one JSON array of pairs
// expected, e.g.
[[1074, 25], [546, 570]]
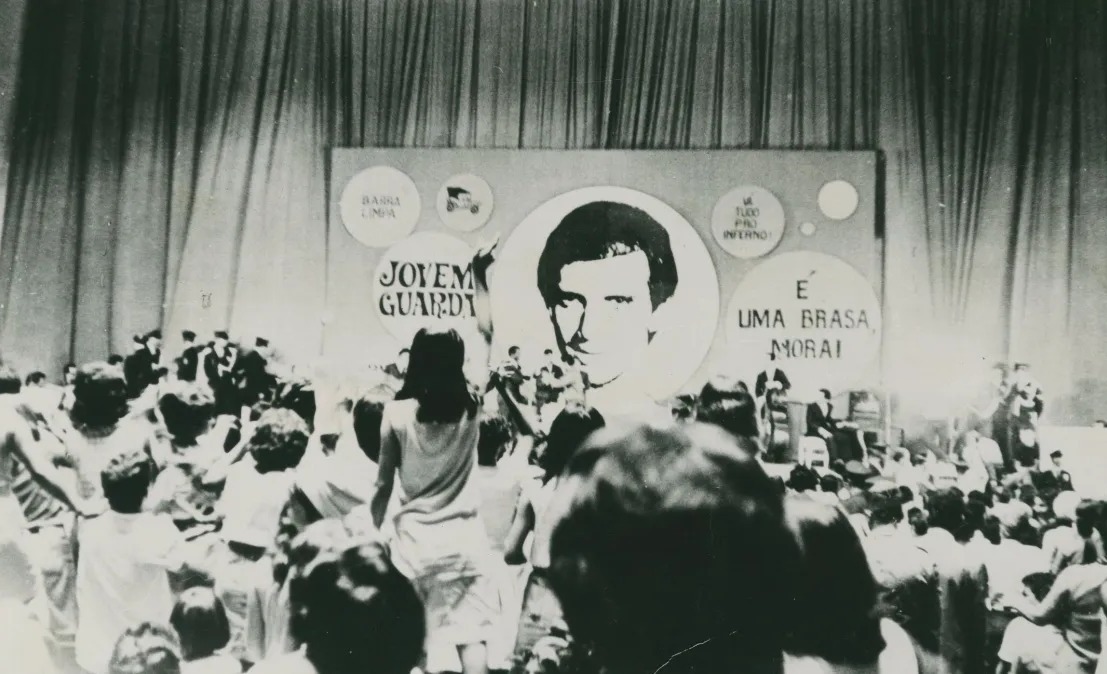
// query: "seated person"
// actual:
[[841, 437]]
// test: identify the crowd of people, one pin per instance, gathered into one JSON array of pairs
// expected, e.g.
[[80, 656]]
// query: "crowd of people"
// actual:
[[196, 516]]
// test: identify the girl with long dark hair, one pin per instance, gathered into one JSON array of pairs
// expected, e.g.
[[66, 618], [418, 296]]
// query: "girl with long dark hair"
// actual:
[[429, 438]]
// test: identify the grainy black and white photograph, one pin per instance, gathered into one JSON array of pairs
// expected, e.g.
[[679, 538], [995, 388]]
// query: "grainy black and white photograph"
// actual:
[[553, 336]]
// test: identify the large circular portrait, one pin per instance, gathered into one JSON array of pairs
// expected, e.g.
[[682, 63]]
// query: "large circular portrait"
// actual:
[[613, 281]]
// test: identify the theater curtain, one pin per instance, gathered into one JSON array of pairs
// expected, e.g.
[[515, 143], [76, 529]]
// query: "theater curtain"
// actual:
[[168, 159]]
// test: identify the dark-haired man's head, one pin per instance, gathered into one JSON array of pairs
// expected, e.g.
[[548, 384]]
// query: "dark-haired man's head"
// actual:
[[946, 510], [69, 373], [671, 551], [221, 339], [200, 620], [1100, 423], [569, 430], [727, 403], [825, 394], [153, 340], [138, 342], [115, 359], [605, 270], [126, 480], [36, 379], [279, 441], [188, 336], [99, 396], [803, 479], [513, 352], [495, 434], [187, 409], [885, 509]]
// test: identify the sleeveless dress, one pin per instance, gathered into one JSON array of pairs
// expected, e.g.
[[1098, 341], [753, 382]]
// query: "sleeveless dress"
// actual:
[[438, 539]]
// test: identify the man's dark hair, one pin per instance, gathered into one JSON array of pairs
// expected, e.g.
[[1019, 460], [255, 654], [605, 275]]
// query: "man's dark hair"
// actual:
[[495, 433], [126, 480], [512, 350], [188, 336], [569, 430], [99, 396], [115, 359], [885, 508], [547, 352], [605, 229], [200, 621], [802, 479], [187, 410], [279, 441], [710, 596], [153, 334], [946, 510], [825, 393], [36, 378], [221, 334]]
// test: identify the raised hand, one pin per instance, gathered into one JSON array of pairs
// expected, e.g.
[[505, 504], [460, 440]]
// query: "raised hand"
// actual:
[[484, 257]]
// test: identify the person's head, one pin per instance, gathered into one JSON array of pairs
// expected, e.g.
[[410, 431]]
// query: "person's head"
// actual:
[[261, 345], [830, 483], [669, 538], [114, 359], [69, 373], [37, 379], [992, 530], [514, 352], [1087, 517], [495, 434], [802, 479], [604, 272], [916, 518], [550, 356], [187, 409], [825, 393], [833, 610], [1022, 368], [350, 589], [368, 411], [146, 649], [126, 480], [99, 396], [568, 431], [885, 509], [189, 337], [299, 397], [1100, 423], [402, 359], [138, 342], [1055, 457], [279, 441], [946, 510], [201, 623], [153, 340], [725, 404], [222, 340], [436, 377], [10, 383]]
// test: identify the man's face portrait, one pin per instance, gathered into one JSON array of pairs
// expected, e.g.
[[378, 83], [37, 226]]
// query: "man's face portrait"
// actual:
[[605, 271], [611, 285]]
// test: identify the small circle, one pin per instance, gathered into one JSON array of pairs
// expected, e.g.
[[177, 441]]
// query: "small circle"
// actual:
[[748, 221], [464, 202], [380, 206], [838, 199], [807, 229]]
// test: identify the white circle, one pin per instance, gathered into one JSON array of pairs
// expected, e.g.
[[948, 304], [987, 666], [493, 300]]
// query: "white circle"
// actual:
[[464, 202], [423, 281], [838, 199], [684, 325], [748, 221], [819, 316], [380, 206], [807, 229]]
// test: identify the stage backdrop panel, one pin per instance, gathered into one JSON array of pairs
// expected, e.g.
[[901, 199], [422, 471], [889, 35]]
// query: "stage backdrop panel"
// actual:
[[748, 252]]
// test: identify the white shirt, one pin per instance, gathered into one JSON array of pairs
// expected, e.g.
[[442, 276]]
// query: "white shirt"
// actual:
[[122, 579]]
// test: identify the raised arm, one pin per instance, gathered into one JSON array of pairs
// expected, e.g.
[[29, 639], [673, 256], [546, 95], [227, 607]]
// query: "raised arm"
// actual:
[[18, 441], [386, 475]]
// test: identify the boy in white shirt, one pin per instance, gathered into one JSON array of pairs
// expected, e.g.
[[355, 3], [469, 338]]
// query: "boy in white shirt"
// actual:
[[125, 559]]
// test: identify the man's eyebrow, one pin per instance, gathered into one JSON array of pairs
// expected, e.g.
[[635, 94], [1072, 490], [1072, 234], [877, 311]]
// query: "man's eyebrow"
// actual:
[[627, 298]]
